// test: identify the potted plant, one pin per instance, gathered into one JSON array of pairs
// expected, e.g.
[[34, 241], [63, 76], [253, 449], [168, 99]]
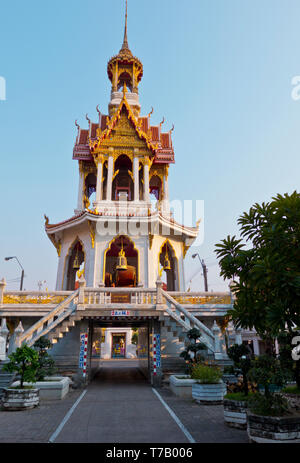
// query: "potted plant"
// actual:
[[263, 266], [50, 386], [24, 361], [181, 385], [235, 402], [208, 387], [191, 354], [46, 363], [269, 417]]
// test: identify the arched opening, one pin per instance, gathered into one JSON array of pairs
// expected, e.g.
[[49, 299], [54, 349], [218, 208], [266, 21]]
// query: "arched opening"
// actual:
[[114, 275], [75, 265], [104, 180], [90, 189], [122, 187], [125, 78], [168, 262], [155, 188]]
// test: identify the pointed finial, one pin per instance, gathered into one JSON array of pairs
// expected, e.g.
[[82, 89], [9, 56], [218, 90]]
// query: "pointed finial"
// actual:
[[151, 112], [125, 41], [124, 89]]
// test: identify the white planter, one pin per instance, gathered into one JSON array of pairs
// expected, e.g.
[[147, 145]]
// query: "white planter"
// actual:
[[273, 429], [209, 393], [235, 413], [181, 386], [53, 388], [20, 399]]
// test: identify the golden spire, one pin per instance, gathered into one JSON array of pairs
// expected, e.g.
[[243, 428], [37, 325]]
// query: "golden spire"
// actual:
[[125, 41], [124, 66]]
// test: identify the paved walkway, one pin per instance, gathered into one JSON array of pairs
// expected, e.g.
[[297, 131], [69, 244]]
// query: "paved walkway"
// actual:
[[118, 407]]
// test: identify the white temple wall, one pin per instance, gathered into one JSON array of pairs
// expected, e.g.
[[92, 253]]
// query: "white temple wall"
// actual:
[[69, 237], [153, 260]]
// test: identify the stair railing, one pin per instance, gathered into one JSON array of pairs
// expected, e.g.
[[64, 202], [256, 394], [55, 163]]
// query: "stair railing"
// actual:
[[188, 321], [47, 323]]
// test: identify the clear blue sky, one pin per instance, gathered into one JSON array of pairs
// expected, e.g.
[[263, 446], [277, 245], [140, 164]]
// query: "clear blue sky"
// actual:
[[220, 70]]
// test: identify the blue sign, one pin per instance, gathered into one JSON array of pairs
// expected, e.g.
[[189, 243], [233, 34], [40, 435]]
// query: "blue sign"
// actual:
[[158, 353]]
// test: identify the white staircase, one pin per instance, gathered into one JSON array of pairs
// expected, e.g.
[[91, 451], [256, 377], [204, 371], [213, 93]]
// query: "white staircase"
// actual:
[[55, 324], [179, 321]]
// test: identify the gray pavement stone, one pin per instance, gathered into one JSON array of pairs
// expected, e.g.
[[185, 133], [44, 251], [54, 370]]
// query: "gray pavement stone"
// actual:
[[119, 407]]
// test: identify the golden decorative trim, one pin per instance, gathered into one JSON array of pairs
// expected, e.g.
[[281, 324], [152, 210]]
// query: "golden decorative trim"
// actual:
[[92, 228], [57, 243], [150, 240], [185, 249]]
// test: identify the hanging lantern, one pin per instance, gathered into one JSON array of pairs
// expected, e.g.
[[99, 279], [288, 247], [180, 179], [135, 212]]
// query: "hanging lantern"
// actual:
[[122, 261], [76, 264], [167, 263]]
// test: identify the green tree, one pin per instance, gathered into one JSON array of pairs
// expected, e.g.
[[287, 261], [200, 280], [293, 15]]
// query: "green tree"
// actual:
[[286, 360], [265, 270], [191, 354], [267, 372], [46, 363], [239, 354], [25, 363]]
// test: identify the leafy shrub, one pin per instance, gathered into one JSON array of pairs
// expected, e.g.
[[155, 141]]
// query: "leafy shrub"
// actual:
[[267, 370], [239, 354], [45, 361], [25, 363], [273, 405], [229, 370], [239, 396], [291, 390], [206, 374], [192, 352]]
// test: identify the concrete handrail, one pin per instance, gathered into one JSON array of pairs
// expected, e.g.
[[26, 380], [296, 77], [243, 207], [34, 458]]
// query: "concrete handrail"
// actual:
[[27, 335], [208, 338]]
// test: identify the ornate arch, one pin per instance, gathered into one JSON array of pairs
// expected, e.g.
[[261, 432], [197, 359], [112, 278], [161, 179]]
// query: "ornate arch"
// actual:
[[68, 254], [109, 248], [175, 259]]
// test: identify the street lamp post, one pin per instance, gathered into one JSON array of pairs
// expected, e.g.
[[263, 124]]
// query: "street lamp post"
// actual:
[[22, 274], [204, 268]]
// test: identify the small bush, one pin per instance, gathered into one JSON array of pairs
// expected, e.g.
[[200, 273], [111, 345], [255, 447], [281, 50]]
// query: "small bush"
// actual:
[[273, 405], [291, 390], [229, 370], [24, 361], [239, 396], [46, 363], [206, 374]]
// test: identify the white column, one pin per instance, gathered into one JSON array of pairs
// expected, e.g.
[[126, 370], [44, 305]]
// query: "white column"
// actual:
[[109, 176], [80, 190], [136, 177], [146, 181], [99, 179], [3, 338], [238, 336], [256, 346], [166, 187]]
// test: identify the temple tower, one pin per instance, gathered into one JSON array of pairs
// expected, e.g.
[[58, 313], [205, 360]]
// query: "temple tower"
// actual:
[[122, 233]]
